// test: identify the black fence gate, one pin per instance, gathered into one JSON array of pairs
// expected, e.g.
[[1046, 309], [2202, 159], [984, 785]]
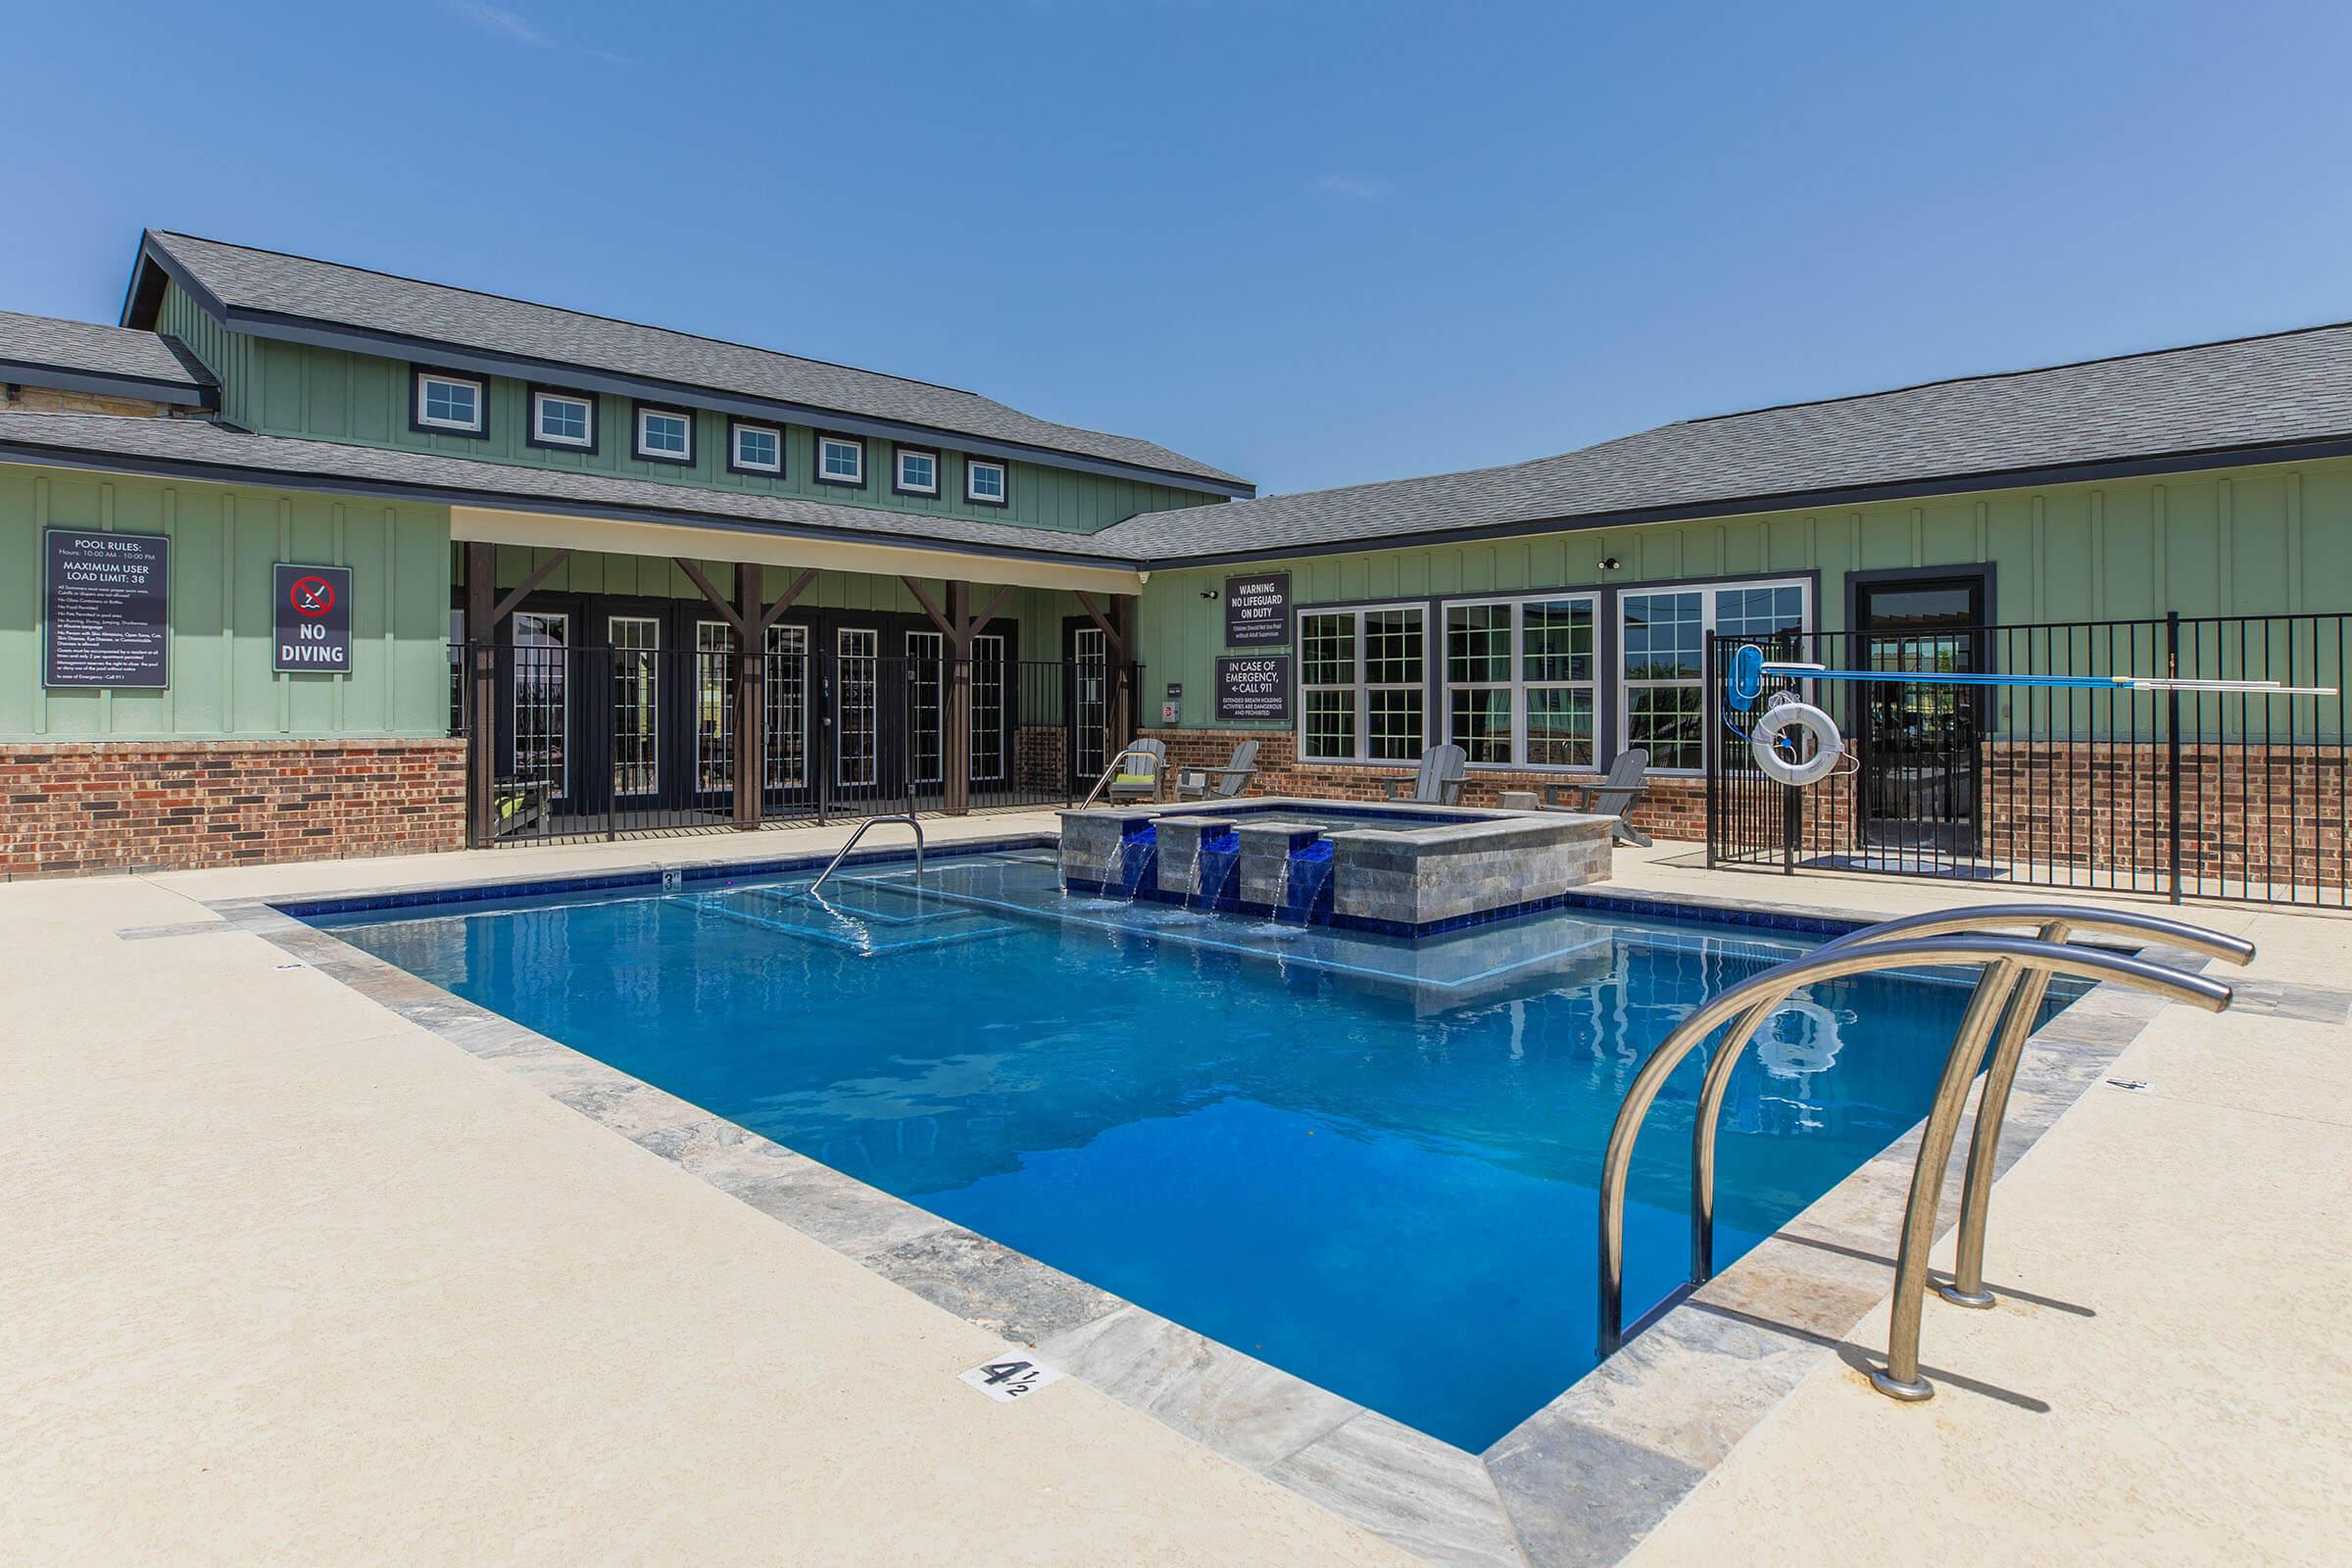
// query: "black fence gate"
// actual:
[[599, 743], [2032, 763]]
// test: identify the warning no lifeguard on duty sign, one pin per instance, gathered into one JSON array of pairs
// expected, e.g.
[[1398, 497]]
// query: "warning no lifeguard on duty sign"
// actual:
[[313, 619]]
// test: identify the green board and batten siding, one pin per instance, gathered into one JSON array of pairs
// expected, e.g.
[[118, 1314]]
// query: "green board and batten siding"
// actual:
[[2255, 540], [290, 389], [224, 539]]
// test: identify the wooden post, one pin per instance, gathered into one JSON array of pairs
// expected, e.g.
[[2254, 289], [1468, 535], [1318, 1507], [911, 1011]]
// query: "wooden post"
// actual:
[[1122, 690], [481, 727], [751, 699]]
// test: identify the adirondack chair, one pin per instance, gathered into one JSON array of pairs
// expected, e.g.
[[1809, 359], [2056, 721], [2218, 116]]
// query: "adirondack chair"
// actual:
[[1221, 783], [1615, 795], [1140, 772], [1438, 782], [521, 806]]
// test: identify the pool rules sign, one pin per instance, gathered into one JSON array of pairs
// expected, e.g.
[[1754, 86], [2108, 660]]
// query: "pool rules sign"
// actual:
[[313, 620]]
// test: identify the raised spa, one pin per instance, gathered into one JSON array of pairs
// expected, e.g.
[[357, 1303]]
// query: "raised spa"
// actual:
[[1401, 870]]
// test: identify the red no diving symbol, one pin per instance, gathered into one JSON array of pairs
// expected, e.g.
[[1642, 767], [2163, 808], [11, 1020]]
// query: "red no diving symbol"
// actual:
[[312, 596]]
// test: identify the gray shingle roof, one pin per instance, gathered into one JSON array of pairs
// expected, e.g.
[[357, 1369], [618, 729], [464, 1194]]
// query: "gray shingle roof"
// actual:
[[2289, 387], [83, 346], [352, 297], [208, 450]]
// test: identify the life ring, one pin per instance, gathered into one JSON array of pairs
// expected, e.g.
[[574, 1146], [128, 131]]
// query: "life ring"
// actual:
[[1828, 744]]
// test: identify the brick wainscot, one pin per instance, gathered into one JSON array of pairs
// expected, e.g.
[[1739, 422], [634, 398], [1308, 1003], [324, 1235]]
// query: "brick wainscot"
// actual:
[[74, 807]]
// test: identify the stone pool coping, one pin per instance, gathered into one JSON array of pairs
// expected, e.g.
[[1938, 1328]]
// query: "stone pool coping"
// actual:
[[1580, 1481]]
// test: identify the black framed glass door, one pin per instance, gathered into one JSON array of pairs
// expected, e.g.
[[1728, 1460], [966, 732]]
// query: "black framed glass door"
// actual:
[[1918, 743]]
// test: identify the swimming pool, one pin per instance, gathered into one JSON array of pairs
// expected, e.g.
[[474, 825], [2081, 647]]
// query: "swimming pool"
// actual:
[[1367, 1162]]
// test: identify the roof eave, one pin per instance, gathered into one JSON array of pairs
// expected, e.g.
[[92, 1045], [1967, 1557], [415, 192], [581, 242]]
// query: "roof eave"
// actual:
[[210, 472], [106, 383], [2140, 466]]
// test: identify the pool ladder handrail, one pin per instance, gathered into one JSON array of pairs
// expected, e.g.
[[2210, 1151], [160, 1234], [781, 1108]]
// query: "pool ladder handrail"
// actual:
[[1104, 783], [1949, 939], [834, 864], [2054, 923]]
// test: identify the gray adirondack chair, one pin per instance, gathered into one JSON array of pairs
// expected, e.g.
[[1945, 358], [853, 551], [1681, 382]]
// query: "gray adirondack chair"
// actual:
[[1616, 795], [1219, 783], [1139, 771], [1438, 781]]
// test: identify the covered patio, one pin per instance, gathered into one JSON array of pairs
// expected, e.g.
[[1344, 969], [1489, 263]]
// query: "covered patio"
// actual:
[[617, 678]]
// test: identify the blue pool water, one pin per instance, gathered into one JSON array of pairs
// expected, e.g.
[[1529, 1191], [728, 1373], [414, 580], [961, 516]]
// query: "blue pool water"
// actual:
[[1367, 1162]]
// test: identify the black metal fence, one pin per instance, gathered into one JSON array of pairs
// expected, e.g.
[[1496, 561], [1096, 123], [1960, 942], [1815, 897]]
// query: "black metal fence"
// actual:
[[602, 743], [2196, 794]]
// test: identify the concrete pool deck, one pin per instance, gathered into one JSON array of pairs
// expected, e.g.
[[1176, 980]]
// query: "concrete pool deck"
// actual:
[[292, 1277]]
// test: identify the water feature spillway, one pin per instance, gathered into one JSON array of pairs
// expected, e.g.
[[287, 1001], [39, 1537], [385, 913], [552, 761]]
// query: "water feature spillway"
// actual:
[[1217, 871], [1132, 864], [1306, 888]]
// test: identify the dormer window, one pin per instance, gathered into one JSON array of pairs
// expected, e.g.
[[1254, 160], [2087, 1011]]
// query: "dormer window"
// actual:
[[565, 420], [754, 449], [456, 405], [840, 460], [664, 435], [984, 483], [917, 473]]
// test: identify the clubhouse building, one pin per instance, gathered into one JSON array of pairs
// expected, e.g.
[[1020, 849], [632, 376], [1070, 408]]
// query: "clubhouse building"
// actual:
[[302, 561]]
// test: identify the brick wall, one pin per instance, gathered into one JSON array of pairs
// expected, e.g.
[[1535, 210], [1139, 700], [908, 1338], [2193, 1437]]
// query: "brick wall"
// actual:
[[73, 808], [2090, 813], [1673, 808]]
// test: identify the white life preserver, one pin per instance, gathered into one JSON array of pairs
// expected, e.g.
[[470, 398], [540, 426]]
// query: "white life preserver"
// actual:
[[1828, 744]]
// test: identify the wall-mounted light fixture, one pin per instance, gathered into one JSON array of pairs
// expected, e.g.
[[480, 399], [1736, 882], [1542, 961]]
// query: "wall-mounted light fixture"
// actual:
[[1610, 564], [1208, 593]]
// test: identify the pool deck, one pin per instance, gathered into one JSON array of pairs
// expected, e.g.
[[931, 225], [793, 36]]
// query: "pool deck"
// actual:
[[292, 1277]]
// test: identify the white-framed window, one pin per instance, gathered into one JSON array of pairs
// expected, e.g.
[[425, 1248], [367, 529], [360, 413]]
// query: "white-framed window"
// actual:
[[1363, 684], [857, 733], [1521, 679], [989, 670], [457, 403], [755, 448], [917, 472], [1661, 641], [840, 460], [636, 703], [563, 420], [985, 483], [664, 435]]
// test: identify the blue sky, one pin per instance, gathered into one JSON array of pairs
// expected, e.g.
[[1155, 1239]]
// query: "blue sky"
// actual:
[[1313, 244]]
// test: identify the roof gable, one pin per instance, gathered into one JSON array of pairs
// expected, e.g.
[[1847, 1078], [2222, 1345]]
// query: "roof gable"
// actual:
[[256, 288]]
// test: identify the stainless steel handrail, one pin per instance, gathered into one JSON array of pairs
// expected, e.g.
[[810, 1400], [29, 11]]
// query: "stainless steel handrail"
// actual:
[[834, 864], [2054, 922], [1104, 783], [2004, 959]]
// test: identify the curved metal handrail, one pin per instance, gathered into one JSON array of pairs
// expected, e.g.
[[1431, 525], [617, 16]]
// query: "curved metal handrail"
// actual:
[[2004, 959], [2054, 922], [834, 864], [1104, 783], [2123, 922]]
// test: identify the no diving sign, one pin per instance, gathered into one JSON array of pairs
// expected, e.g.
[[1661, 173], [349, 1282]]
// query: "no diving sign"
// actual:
[[311, 622]]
